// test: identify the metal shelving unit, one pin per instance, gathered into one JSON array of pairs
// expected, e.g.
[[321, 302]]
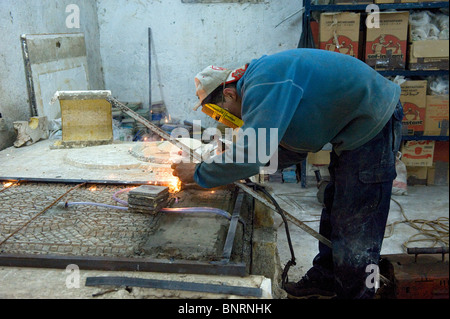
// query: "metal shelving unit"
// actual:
[[422, 138], [414, 73], [309, 8], [383, 6], [306, 41]]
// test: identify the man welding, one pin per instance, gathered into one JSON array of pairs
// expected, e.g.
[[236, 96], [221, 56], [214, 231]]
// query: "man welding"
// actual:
[[314, 97]]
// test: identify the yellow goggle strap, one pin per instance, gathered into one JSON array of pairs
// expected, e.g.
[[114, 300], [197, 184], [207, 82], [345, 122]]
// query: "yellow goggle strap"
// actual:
[[221, 115]]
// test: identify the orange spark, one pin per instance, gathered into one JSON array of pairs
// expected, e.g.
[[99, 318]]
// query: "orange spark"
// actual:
[[174, 185]]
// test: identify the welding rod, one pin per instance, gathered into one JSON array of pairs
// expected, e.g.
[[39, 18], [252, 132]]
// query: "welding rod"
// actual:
[[155, 129]]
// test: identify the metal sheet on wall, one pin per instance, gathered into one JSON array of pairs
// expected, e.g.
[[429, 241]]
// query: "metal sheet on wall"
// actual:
[[53, 62]]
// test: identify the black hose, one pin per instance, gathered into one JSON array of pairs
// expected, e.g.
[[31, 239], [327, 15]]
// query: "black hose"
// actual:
[[291, 262]]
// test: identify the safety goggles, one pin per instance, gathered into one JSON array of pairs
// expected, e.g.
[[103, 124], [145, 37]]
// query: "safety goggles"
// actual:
[[222, 116]]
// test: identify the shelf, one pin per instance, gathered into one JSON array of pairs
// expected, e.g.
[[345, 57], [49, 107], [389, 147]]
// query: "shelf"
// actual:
[[306, 41], [413, 73], [382, 6], [424, 138]]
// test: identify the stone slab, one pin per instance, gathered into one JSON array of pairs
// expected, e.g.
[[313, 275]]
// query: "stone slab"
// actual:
[[149, 191]]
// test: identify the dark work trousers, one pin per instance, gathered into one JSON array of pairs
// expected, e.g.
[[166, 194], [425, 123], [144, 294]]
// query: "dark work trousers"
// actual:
[[357, 201]]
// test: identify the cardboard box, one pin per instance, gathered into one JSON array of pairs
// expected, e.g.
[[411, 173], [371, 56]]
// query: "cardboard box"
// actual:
[[436, 119], [418, 153], [438, 174], [441, 153], [428, 55], [416, 175], [319, 158], [414, 100], [386, 46], [339, 32]]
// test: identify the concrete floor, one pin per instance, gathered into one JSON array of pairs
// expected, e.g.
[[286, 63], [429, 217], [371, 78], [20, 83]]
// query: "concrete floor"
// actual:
[[422, 202]]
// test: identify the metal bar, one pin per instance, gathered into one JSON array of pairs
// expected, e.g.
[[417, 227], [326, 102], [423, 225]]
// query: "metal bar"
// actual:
[[229, 241], [123, 264], [40, 213], [291, 218], [414, 73], [383, 6], [290, 16], [150, 108], [29, 76], [173, 285], [75, 181], [426, 251], [154, 128]]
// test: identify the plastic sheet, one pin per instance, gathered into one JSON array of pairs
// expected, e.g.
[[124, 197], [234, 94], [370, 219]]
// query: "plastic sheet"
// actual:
[[438, 85], [426, 25]]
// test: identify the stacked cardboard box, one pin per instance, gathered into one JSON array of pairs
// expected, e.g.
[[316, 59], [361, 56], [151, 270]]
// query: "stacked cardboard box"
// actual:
[[428, 55], [438, 174], [425, 115], [437, 115], [418, 153], [414, 100], [339, 32], [425, 50], [386, 45], [417, 156]]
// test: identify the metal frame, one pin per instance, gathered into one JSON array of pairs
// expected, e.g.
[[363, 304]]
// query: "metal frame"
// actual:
[[229, 241], [223, 267], [383, 6], [174, 285], [305, 41], [123, 264]]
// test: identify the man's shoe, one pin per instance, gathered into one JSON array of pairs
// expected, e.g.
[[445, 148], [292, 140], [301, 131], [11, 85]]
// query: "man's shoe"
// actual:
[[310, 287]]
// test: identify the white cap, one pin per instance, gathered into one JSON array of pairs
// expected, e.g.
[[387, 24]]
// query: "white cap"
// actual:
[[211, 77]]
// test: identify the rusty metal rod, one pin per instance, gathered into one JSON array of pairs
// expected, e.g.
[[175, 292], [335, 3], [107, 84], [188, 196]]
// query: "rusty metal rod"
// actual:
[[124, 264], [40, 213]]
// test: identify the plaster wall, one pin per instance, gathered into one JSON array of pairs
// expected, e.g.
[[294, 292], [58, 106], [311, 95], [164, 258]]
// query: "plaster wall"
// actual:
[[19, 17], [186, 37]]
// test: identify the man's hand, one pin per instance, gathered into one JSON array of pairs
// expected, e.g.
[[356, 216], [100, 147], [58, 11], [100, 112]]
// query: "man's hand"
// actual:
[[184, 171]]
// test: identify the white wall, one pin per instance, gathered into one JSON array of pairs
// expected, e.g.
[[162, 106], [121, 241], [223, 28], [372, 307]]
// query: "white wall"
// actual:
[[187, 38], [19, 17]]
